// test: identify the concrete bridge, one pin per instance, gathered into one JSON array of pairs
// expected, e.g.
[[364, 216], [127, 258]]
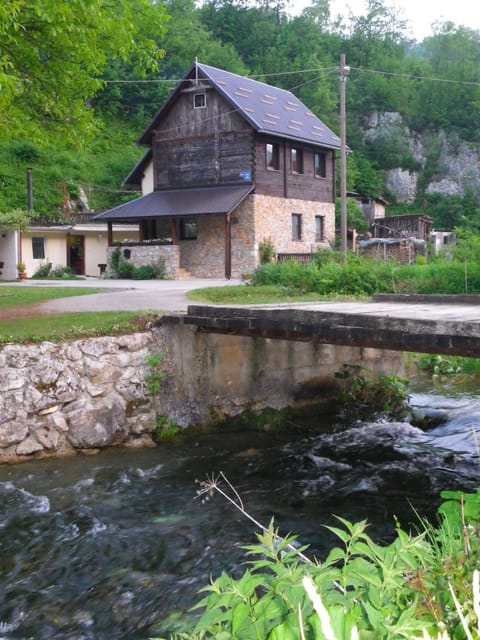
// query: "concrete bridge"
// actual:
[[446, 324]]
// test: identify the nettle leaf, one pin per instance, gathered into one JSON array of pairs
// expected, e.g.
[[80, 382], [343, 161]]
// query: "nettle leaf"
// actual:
[[288, 630], [335, 555], [375, 618], [340, 533], [362, 569], [270, 607], [248, 583], [240, 616]]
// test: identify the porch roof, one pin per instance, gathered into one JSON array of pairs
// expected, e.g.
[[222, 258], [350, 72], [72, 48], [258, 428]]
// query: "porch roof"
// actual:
[[178, 202]]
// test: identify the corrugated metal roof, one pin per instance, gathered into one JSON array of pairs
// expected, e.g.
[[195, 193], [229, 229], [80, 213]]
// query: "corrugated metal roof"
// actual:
[[178, 202], [268, 109]]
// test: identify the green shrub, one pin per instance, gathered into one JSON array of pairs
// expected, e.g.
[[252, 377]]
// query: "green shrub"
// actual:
[[125, 269], [363, 276], [43, 270], [46, 270], [64, 273], [115, 259], [145, 272], [407, 589], [165, 430], [266, 252]]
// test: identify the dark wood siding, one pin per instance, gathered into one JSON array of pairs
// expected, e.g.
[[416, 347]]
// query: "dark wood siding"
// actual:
[[206, 146], [269, 182], [285, 183]]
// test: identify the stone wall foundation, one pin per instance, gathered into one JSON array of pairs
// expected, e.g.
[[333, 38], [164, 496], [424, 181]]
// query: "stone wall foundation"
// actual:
[[84, 395]]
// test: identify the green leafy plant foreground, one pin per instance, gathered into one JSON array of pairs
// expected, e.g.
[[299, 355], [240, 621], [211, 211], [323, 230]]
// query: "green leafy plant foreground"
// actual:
[[419, 586]]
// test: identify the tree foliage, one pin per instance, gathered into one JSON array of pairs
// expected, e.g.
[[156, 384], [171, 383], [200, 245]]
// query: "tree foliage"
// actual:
[[13, 219], [53, 54], [66, 68]]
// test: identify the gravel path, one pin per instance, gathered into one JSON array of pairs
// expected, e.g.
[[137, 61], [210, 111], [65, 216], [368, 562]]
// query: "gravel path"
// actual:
[[116, 295]]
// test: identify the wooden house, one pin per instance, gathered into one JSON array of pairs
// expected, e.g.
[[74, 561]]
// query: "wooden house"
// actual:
[[231, 163], [372, 207], [415, 225]]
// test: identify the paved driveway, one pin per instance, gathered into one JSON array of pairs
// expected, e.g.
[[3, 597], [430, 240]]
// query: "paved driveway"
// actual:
[[123, 295]]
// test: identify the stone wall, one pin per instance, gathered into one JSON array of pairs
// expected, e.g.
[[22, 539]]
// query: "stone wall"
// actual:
[[273, 221], [150, 254], [257, 219], [56, 399], [84, 394], [205, 256]]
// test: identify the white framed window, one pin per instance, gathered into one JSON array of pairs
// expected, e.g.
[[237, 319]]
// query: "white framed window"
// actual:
[[38, 248], [199, 100]]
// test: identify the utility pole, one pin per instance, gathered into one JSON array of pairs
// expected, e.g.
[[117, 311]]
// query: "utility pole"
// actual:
[[343, 74]]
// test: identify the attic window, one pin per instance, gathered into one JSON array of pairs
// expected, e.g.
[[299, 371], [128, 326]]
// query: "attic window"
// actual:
[[199, 100]]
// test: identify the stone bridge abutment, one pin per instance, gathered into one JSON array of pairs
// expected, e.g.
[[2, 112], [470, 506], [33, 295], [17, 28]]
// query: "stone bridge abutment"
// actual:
[[84, 395]]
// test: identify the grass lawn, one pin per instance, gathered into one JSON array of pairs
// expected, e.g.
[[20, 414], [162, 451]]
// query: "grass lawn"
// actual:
[[35, 327], [61, 326], [14, 296], [250, 294]]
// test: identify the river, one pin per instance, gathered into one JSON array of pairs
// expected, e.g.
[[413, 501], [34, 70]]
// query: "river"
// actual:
[[115, 546]]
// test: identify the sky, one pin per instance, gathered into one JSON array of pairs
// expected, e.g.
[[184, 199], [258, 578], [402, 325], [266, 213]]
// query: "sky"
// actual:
[[420, 13]]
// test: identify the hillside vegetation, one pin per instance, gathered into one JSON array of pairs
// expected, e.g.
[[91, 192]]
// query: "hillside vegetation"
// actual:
[[434, 86]]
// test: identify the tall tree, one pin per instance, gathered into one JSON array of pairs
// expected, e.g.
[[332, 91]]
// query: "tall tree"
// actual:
[[53, 53]]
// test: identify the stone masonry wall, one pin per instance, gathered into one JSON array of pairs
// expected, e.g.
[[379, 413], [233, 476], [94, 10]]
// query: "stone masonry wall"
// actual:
[[205, 256], [56, 399], [84, 394], [149, 254], [273, 221]]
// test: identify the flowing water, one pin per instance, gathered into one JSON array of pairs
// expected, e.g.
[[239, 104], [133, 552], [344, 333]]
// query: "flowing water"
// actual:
[[108, 546]]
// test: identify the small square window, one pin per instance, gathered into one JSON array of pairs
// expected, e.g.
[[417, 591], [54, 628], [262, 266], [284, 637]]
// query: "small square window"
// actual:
[[38, 248], [272, 156], [199, 100], [319, 229], [320, 168], [188, 230], [296, 160], [296, 226]]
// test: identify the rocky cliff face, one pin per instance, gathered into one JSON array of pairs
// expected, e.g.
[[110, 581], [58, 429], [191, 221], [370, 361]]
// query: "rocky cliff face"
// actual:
[[444, 163]]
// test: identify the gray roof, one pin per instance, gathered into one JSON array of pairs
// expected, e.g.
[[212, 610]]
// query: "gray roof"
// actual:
[[268, 109], [136, 174], [178, 202]]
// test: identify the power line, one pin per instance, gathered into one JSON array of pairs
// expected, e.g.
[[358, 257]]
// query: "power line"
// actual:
[[258, 75], [423, 78], [311, 70]]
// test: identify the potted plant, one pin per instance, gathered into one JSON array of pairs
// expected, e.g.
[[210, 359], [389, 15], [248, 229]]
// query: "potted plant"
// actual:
[[21, 270]]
